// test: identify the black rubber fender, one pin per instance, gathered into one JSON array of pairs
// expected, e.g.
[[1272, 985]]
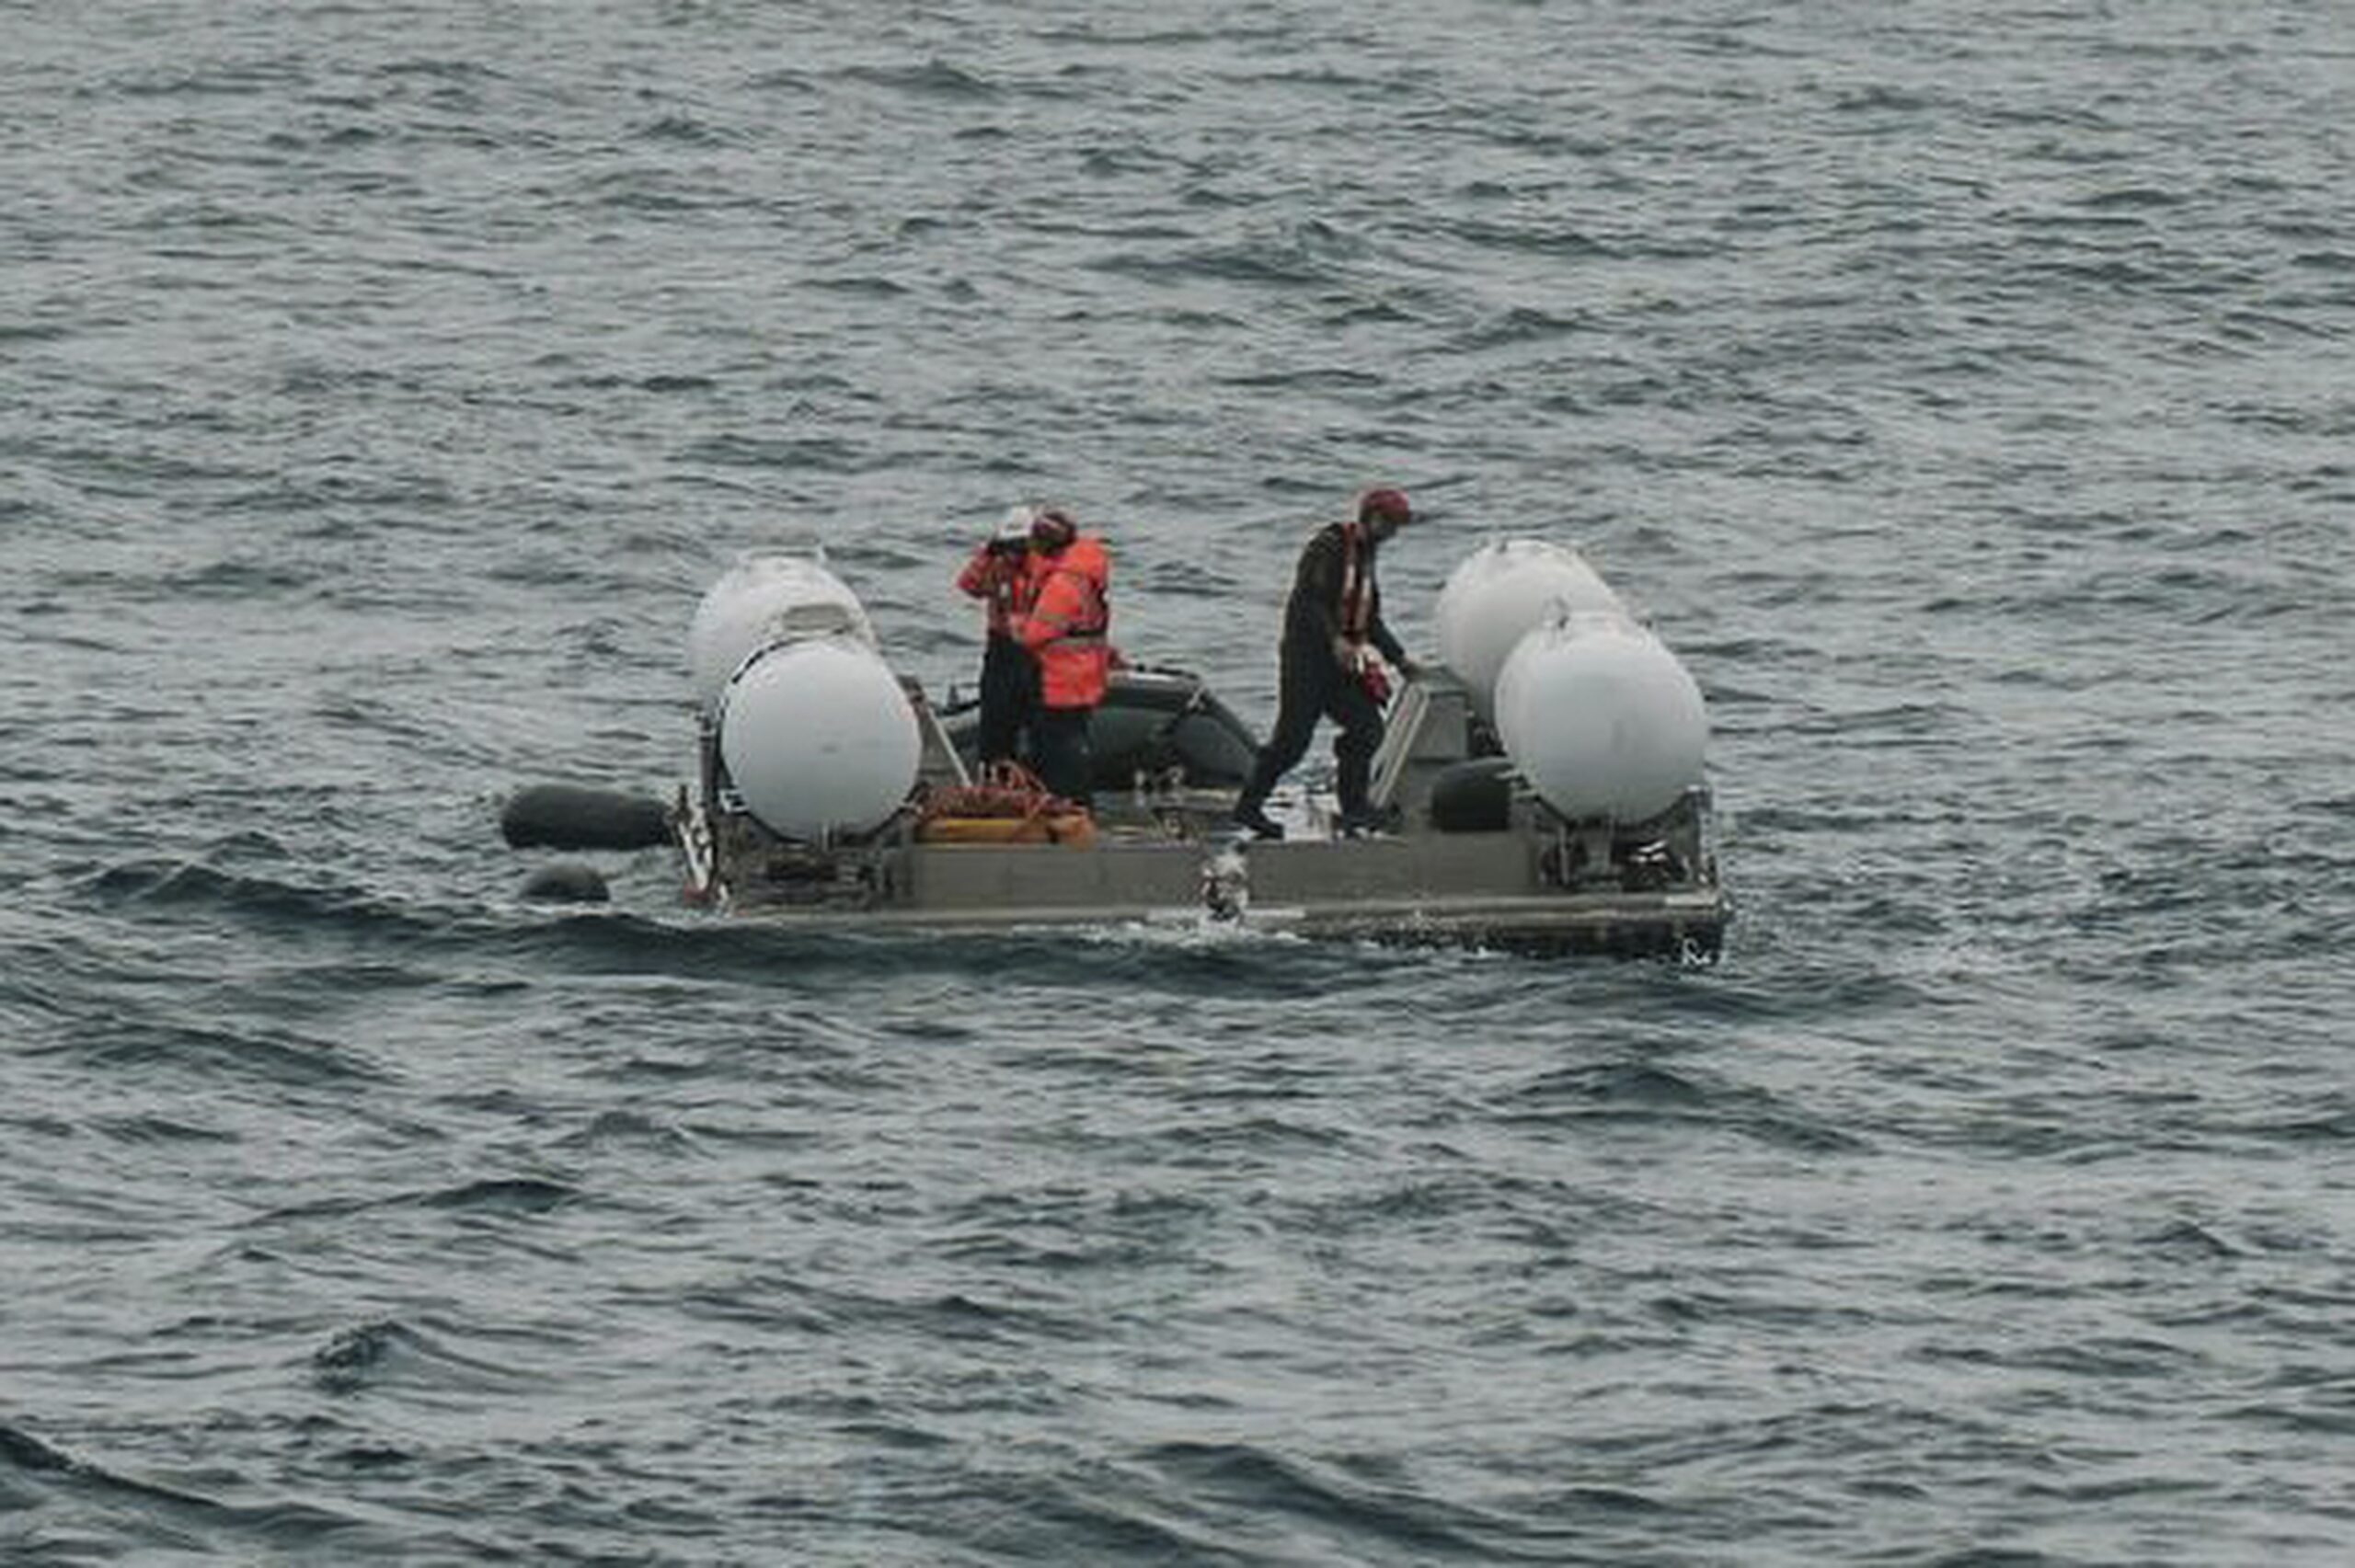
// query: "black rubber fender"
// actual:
[[567, 882], [573, 817], [1474, 796]]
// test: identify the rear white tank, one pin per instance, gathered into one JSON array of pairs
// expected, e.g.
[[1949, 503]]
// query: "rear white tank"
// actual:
[[819, 737], [1601, 719], [767, 598], [1501, 592]]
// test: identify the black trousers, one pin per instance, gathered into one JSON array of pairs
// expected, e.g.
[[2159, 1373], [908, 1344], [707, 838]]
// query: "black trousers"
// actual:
[[1313, 686], [1066, 765], [1009, 697]]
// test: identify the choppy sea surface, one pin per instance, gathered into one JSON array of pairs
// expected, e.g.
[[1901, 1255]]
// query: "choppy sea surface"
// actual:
[[1967, 392]]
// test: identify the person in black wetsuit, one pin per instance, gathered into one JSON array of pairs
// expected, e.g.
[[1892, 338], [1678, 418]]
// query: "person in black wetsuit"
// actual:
[[1000, 575], [1332, 629]]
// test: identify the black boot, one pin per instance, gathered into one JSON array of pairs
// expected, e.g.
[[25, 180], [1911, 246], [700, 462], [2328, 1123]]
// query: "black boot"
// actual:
[[1251, 806], [1353, 787], [1252, 814]]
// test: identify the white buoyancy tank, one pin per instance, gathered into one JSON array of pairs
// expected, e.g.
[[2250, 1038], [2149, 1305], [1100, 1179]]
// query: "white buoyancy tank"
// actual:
[[1497, 595], [767, 598], [819, 737], [1601, 719]]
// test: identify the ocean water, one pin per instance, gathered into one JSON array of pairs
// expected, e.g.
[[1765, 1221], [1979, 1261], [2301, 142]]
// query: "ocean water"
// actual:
[[1967, 392]]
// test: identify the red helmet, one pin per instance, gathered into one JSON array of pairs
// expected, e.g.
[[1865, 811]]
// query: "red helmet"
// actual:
[[1386, 504]]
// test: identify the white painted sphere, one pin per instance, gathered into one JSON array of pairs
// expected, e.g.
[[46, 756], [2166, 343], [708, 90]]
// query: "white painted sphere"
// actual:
[[1601, 717], [1496, 594], [819, 737], [767, 598]]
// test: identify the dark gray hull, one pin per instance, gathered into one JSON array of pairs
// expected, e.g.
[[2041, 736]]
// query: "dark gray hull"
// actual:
[[1478, 890]]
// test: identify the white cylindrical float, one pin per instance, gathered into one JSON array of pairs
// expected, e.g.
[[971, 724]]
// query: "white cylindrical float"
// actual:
[[819, 737], [1601, 719], [767, 598], [1498, 594]]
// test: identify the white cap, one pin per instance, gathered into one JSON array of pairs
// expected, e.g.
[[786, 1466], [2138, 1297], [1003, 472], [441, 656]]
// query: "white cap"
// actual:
[[1014, 524]]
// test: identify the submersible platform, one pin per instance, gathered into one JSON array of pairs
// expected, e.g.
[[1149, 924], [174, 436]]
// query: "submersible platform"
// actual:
[[1469, 854]]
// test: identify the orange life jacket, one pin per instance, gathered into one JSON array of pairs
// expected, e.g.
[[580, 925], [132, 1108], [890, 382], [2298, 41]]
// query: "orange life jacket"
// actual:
[[1067, 622], [1004, 580]]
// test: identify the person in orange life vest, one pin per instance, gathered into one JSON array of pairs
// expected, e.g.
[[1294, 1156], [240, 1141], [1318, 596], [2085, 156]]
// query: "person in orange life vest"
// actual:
[[1332, 628], [1000, 576], [1067, 627]]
